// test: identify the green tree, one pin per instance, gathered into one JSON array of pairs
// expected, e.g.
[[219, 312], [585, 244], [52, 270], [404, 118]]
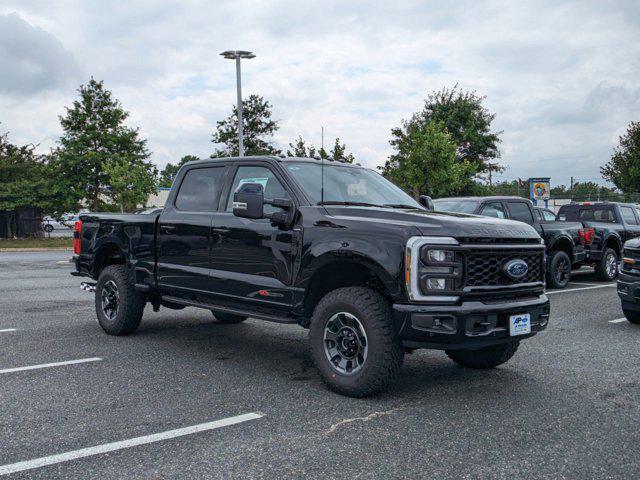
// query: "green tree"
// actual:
[[171, 170], [339, 152], [425, 163], [258, 127], [94, 137], [27, 181], [298, 148], [623, 170], [130, 184], [468, 123]]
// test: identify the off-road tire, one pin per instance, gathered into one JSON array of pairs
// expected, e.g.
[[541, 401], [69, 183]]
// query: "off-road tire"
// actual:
[[632, 315], [228, 318], [130, 302], [384, 349], [602, 273], [558, 260], [487, 357]]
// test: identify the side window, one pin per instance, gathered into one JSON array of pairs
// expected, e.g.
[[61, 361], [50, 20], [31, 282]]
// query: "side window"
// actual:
[[263, 175], [548, 216], [628, 216], [521, 212], [538, 214], [200, 189], [493, 210]]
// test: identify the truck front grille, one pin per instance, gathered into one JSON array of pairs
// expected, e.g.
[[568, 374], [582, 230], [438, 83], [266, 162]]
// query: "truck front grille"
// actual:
[[485, 267]]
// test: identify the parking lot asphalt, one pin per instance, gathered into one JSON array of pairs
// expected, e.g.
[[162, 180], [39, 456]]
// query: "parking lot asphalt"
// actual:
[[566, 406]]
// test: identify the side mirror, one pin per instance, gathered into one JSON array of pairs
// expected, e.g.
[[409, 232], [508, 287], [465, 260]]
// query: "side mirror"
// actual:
[[248, 201], [427, 202]]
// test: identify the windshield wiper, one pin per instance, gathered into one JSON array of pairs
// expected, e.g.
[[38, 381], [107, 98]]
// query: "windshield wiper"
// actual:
[[400, 205], [350, 204]]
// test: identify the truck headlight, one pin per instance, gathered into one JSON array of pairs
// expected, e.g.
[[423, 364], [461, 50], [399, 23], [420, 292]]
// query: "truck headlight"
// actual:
[[433, 268]]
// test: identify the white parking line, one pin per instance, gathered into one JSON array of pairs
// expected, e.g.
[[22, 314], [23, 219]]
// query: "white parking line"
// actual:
[[133, 442], [578, 289], [48, 365], [618, 320], [8, 330]]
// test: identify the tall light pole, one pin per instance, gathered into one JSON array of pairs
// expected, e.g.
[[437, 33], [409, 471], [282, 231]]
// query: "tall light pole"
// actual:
[[237, 55]]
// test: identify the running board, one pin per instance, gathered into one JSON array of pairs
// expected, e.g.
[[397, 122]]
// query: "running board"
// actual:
[[88, 286], [232, 311]]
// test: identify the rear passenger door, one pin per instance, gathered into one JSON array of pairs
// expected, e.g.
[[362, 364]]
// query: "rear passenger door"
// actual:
[[522, 212], [184, 230]]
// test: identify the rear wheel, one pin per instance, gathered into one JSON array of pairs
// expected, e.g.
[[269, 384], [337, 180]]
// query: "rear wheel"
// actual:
[[228, 318], [559, 272], [487, 357], [354, 345], [119, 305], [607, 267], [632, 315], [48, 228]]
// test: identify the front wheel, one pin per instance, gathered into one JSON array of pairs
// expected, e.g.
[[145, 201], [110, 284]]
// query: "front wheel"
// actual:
[[484, 358], [607, 267], [48, 228], [559, 272], [632, 315], [119, 305], [353, 343]]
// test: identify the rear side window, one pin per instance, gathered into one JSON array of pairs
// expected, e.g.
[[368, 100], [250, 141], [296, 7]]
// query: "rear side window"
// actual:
[[603, 214], [548, 216], [628, 216], [200, 189], [521, 212], [493, 210]]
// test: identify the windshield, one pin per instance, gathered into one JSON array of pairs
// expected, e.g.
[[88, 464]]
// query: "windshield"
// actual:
[[348, 185], [457, 206]]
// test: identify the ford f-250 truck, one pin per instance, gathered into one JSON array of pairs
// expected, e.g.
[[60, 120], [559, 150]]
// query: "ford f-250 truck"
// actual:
[[333, 247], [565, 241]]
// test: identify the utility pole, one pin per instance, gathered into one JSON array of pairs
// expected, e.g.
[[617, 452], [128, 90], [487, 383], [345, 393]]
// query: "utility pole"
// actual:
[[237, 55], [571, 190]]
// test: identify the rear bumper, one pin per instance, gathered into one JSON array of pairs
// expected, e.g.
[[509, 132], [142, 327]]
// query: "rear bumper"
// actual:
[[471, 325], [629, 291]]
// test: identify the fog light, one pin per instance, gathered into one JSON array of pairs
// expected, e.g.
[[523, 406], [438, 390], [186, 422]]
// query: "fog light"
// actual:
[[436, 284]]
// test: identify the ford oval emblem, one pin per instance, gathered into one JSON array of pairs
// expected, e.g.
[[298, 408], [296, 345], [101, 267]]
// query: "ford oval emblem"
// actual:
[[516, 269]]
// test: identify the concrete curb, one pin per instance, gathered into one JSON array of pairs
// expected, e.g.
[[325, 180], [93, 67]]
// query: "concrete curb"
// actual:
[[43, 249]]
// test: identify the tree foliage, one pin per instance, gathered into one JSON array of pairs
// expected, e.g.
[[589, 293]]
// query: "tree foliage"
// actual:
[[623, 170], [95, 144], [298, 148], [171, 170], [425, 162], [27, 181], [258, 128], [130, 184]]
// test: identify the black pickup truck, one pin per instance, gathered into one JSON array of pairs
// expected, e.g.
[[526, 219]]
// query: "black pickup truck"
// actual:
[[333, 247], [565, 241], [629, 280], [610, 224]]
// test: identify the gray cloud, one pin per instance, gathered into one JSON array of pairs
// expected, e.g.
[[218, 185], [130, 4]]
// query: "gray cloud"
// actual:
[[32, 59]]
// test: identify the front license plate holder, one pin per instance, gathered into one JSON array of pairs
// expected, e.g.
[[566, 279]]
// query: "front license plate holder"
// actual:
[[519, 324]]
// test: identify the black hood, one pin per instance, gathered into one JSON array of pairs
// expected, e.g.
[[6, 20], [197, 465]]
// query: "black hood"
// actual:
[[438, 223]]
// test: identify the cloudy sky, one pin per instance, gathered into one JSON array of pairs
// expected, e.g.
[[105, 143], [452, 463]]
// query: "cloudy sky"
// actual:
[[563, 78]]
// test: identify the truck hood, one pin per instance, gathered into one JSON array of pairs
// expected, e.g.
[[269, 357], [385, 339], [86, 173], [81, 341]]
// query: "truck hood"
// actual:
[[437, 223]]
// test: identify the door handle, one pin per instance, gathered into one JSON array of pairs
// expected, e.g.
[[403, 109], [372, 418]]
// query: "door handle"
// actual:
[[167, 228]]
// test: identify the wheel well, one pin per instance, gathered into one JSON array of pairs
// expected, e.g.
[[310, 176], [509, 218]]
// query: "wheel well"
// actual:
[[340, 274], [109, 254], [613, 243], [564, 246]]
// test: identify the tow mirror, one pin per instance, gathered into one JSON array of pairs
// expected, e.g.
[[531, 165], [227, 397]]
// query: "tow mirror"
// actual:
[[248, 201], [427, 202]]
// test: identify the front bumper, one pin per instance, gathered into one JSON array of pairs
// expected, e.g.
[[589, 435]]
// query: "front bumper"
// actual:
[[470, 325], [629, 290]]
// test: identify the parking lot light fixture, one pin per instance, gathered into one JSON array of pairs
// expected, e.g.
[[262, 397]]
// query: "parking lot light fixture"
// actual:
[[237, 55]]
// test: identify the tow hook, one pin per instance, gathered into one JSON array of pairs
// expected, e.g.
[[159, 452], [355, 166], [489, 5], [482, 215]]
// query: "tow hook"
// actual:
[[88, 286]]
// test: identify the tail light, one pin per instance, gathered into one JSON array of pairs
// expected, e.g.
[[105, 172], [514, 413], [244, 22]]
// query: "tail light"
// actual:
[[586, 235], [77, 236]]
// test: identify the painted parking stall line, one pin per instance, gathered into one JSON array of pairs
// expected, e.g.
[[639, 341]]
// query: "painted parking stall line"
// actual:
[[7, 330], [122, 444], [50, 365], [567, 290], [618, 320]]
